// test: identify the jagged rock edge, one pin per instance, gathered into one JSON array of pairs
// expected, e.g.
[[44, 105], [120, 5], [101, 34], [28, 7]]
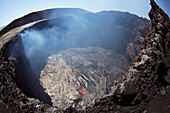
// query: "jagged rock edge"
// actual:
[[140, 74]]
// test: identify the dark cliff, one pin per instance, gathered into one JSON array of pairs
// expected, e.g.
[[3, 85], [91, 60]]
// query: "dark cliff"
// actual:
[[146, 85]]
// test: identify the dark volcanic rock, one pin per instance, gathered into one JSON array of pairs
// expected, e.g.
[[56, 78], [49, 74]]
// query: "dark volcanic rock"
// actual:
[[12, 99], [151, 66], [147, 77], [94, 70], [23, 74]]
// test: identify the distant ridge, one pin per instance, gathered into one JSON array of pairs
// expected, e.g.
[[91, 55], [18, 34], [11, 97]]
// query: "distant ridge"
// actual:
[[44, 14]]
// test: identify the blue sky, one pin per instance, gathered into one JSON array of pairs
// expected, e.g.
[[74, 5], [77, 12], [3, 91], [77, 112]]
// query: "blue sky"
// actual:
[[12, 9]]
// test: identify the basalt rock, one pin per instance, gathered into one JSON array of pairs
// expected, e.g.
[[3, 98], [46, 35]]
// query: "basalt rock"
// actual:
[[151, 67], [147, 78], [94, 70]]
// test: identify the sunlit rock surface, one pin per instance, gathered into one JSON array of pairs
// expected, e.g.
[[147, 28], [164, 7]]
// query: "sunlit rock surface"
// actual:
[[94, 70]]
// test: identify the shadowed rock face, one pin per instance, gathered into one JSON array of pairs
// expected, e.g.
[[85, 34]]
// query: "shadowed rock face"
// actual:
[[94, 70], [148, 77], [24, 76]]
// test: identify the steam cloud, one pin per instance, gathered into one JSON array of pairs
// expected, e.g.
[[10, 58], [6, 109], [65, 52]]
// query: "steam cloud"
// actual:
[[70, 32], [109, 30]]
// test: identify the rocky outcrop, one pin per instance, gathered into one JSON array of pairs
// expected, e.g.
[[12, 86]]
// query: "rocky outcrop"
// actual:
[[148, 76], [22, 71], [12, 98], [94, 70], [151, 67], [134, 47]]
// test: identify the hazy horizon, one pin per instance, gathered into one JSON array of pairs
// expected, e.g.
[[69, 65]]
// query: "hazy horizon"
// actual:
[[11, 10]]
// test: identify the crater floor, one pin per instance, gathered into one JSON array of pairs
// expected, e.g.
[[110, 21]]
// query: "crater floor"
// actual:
[[80, 75]]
